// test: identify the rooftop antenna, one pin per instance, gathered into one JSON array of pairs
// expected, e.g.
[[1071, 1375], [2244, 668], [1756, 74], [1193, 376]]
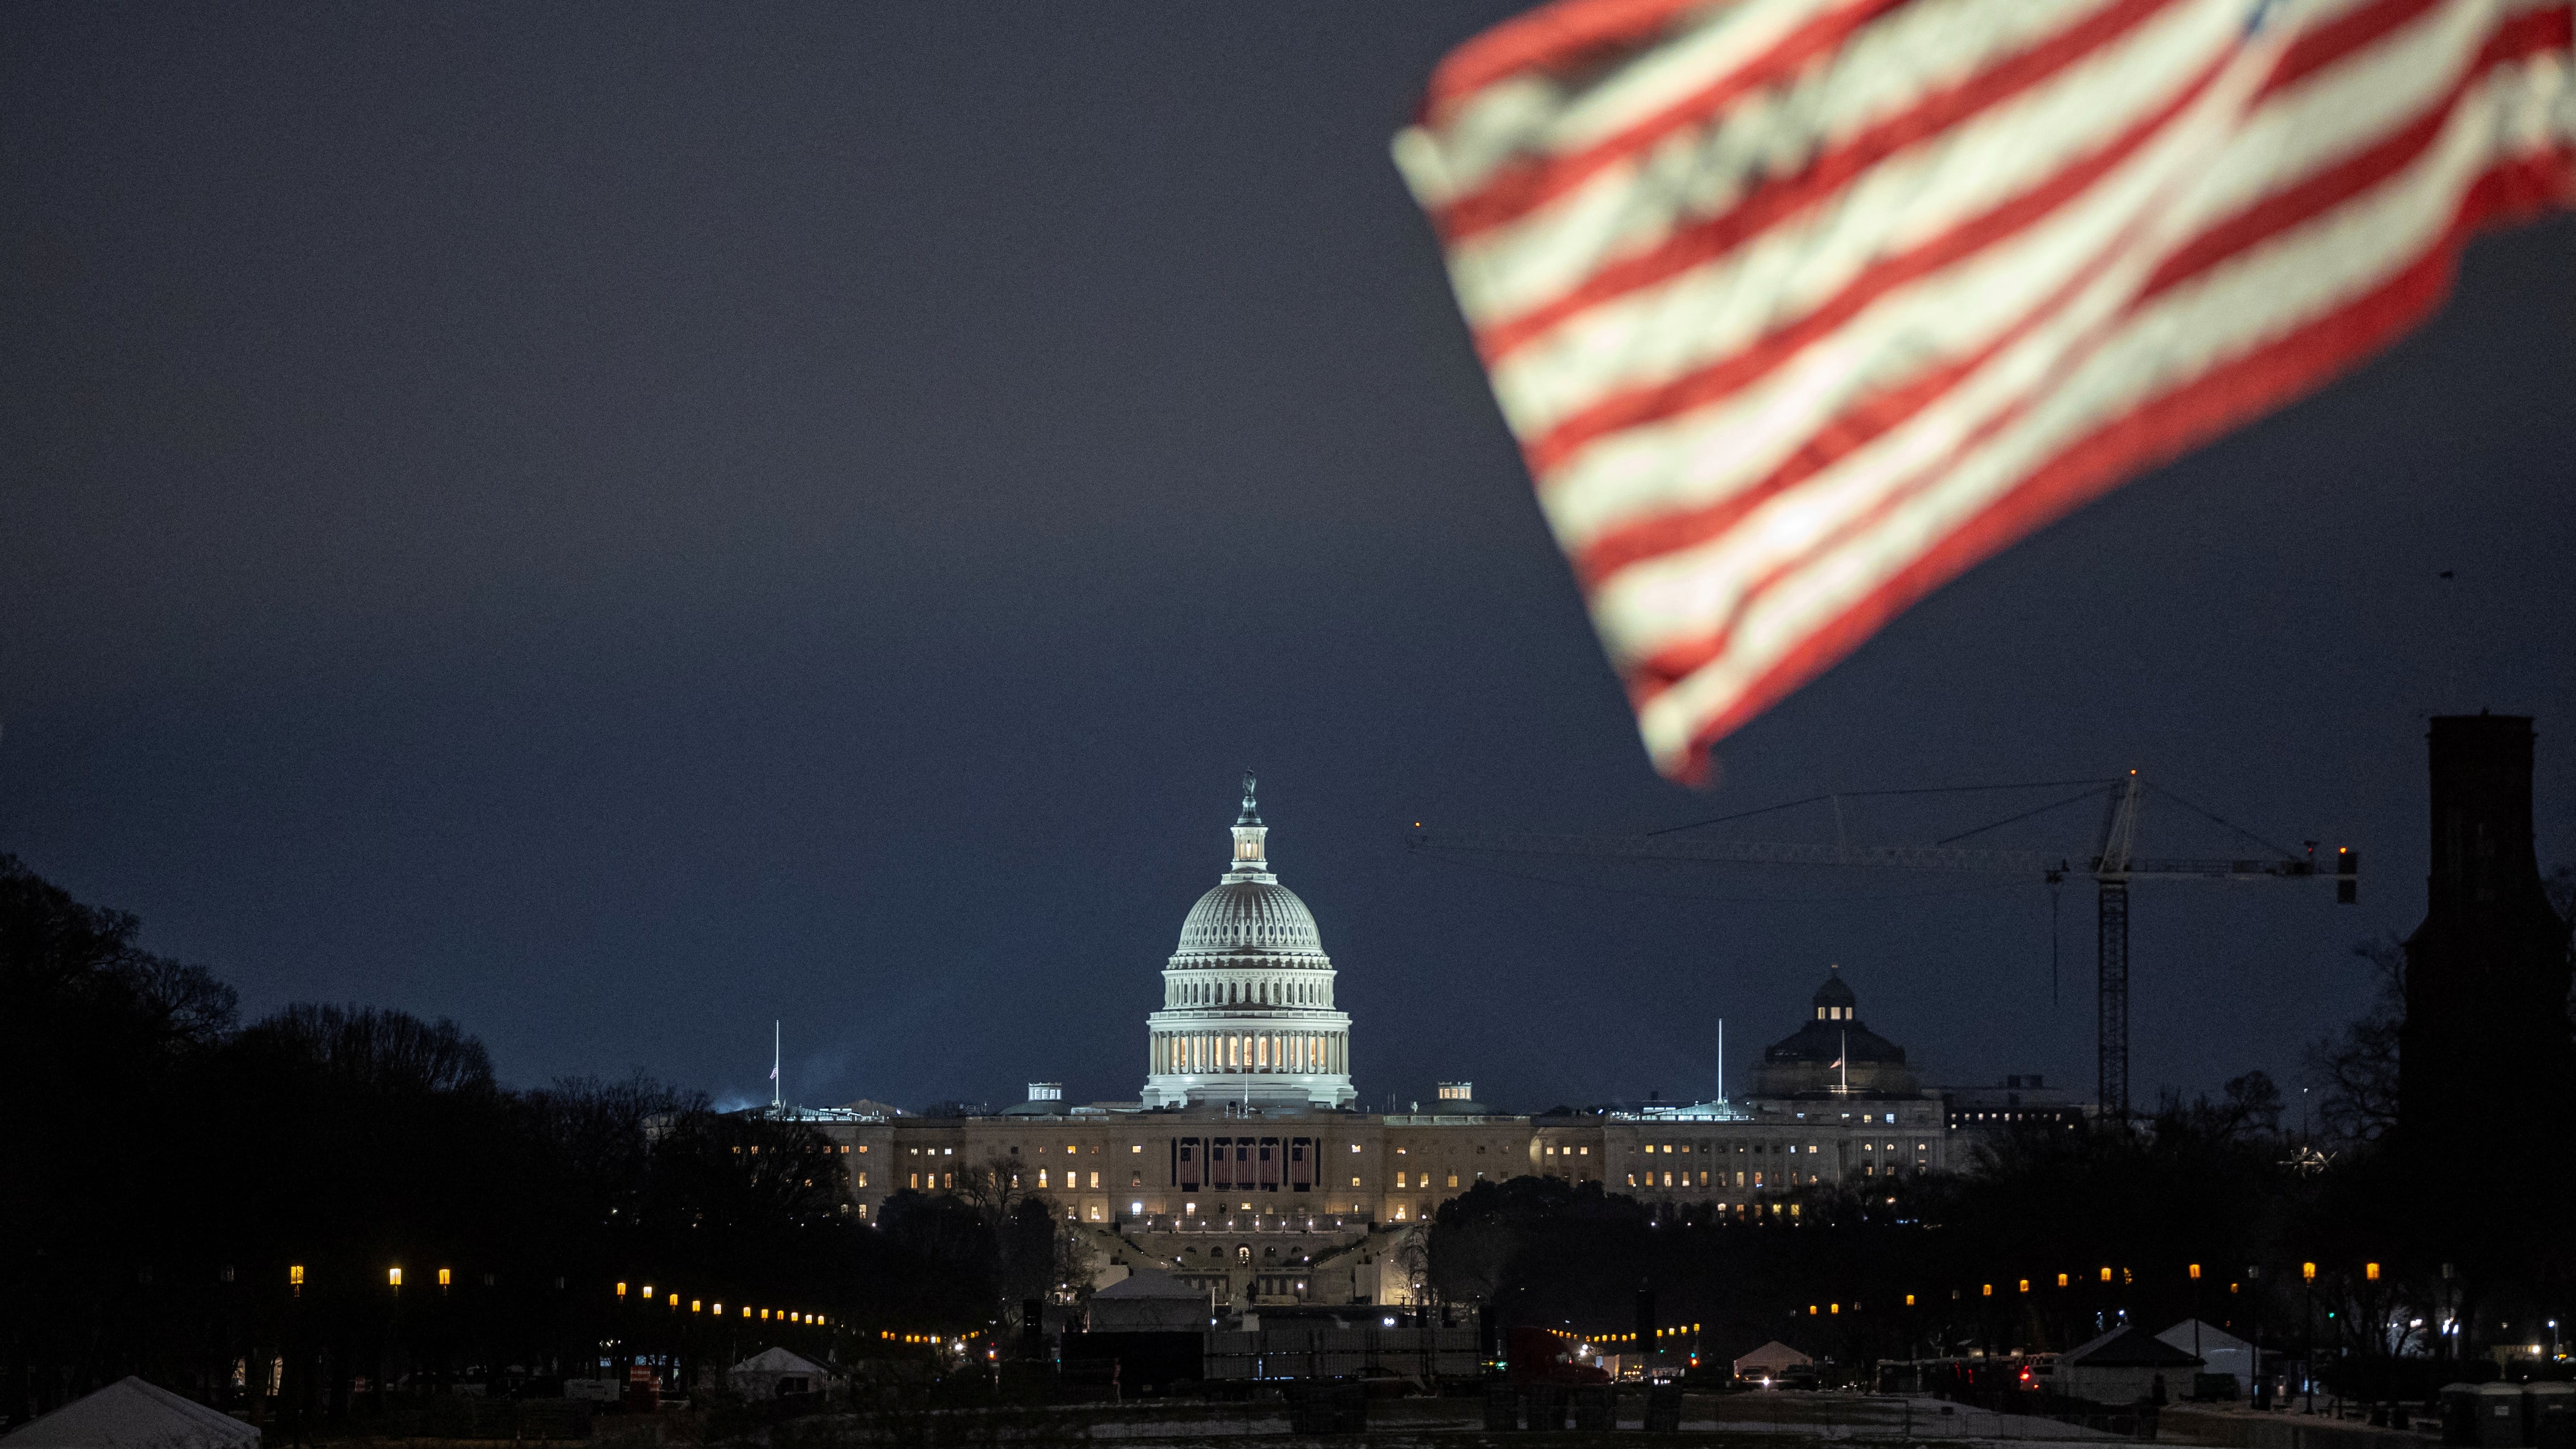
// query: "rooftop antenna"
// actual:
[[777, 1039], [1721, 1061]]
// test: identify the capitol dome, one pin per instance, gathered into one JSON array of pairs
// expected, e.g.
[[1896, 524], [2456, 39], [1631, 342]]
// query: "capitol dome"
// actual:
[[1239, 917], [1248, 1016]]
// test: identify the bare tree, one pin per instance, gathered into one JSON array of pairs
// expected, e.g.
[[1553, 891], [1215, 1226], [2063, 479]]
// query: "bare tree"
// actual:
[[2358, 1070], [993, 1189]]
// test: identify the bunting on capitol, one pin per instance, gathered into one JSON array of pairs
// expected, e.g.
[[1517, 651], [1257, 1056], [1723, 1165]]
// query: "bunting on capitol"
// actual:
[[1800, 308]]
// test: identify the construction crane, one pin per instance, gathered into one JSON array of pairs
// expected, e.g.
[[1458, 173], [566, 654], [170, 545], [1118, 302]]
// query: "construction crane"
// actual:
[[2114, 866]]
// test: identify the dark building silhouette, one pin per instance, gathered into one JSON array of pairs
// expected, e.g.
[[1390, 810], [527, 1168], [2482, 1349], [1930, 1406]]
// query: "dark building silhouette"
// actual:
[[2487, 972]]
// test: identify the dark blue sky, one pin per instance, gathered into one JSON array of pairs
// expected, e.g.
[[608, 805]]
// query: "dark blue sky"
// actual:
[[617, 523]]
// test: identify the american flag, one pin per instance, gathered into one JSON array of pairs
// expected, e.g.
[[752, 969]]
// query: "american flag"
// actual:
[[1800, 308]]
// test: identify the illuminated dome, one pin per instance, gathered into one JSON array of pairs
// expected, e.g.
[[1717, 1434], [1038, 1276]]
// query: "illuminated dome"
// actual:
[[1247, 916], [1248, 1016]]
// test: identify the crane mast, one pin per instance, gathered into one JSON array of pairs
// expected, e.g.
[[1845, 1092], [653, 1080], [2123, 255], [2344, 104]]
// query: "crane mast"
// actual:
[[2114, 866]]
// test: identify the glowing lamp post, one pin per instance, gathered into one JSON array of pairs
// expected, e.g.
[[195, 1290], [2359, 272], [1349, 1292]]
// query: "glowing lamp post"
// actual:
[[2308, 1275]]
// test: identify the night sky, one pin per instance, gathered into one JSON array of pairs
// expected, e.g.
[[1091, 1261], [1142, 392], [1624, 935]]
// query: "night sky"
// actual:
[[617, 524]]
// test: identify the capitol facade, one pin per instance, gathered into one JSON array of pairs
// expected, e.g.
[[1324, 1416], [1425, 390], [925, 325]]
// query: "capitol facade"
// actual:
[[1243, 1168]]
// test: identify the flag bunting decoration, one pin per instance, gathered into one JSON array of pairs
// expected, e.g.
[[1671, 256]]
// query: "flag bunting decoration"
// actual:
[[1800, 308]]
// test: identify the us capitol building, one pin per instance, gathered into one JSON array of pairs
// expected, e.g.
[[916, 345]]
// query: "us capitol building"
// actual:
[[1243, 1168]]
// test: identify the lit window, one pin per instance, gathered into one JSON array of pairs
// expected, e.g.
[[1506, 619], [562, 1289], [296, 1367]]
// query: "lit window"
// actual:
[[1135, 1209]]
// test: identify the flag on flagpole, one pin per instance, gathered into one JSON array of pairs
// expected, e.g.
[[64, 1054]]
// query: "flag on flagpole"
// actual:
[[1800, 308]]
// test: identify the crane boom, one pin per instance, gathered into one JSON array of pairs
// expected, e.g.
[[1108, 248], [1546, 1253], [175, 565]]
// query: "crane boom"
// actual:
[[1905, 857], [2114, 867]]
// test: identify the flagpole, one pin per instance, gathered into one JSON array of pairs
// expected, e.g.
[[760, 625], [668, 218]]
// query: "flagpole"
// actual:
[[777, 1088]]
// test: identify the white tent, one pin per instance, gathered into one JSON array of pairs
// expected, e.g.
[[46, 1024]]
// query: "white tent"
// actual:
[[131, 1414], [2121, 1367], [774, 1371], [2221, 1352], [1149, 1301], [1770, 1361]]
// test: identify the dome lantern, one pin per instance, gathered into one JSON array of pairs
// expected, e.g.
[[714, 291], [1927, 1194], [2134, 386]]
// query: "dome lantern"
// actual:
[[1251, 837]]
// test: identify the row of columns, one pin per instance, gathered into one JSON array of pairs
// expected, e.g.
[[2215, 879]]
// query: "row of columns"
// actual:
[[1274, 1051], [1290, 991]]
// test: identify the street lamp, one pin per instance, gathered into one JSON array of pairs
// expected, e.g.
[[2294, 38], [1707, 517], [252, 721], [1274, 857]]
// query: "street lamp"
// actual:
[[2308, 1273]]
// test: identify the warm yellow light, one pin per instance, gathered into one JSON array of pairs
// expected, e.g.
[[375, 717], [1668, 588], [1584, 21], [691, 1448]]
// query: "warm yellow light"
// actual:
[[2061, 1280], [2308, 1271], [442, 1277], [1909, 1302], [2370, 1271], [295, 1274], [621, 1290], [1990, 1290], [2025, 1285], [675, 1300], [746, 1310], [693, 1306], [394, 1276], [648, 1292], [1834, 1307], [2106, 1275], [2195, 1272]]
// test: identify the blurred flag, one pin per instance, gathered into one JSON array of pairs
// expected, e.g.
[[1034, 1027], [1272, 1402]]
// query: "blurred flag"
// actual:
[[1800, 308]]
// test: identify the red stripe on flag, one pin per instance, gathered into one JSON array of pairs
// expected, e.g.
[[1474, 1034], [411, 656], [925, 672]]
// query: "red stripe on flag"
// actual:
[[1774, 202], [1524, 186], [1567, 35], [2339, 37], [2269, 377]]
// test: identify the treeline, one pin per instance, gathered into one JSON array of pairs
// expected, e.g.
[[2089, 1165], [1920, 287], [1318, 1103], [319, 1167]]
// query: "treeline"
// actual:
[[166, 1172], [2047, 1238]]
